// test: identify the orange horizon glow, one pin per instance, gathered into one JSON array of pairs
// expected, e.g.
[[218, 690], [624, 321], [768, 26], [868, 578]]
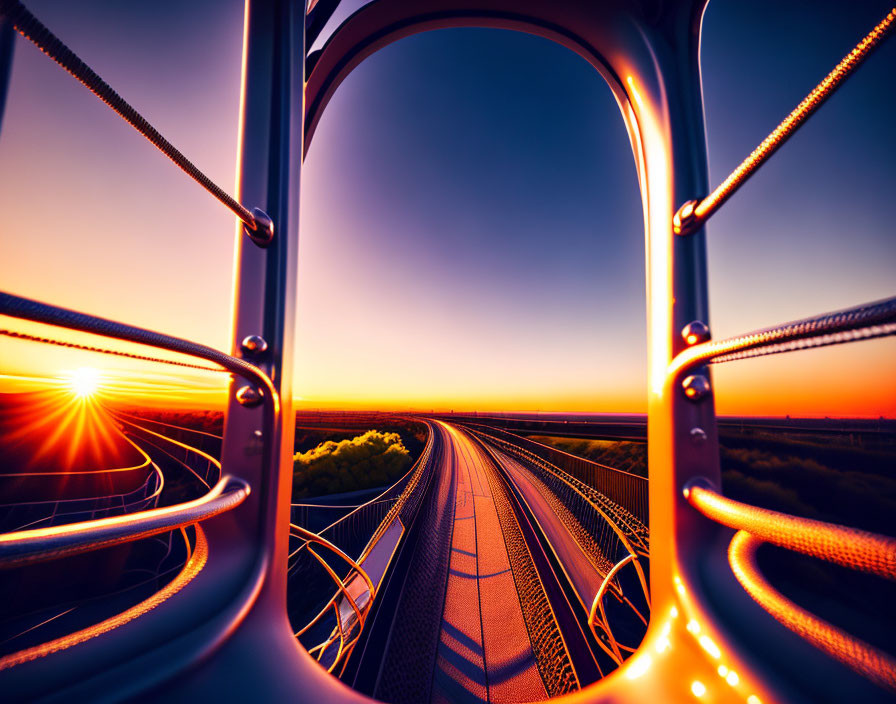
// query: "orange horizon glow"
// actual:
[[847, 381]]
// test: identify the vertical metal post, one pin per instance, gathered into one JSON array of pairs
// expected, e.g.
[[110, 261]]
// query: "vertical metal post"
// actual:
[[265, 278], [665, 119]]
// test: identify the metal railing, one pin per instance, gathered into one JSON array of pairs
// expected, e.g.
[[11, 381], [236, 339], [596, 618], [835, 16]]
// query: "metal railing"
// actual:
[[627, 490], [609, 544], [30, 514], [848, 547], [658, 91], [364, 526]]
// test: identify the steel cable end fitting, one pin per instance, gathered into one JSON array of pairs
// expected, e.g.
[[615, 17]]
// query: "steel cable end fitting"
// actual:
[[685, 221], [249, 396], [698, 483], [696, 387], [263, 232], [695, 332]]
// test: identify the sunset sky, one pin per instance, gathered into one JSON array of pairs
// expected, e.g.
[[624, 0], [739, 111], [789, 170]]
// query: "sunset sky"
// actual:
[[472, 235]]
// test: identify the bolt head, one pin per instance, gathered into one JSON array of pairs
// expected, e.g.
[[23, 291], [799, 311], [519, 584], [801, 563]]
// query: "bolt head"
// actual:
[[698, 436], [254, 344], [694, 332], [248, 396], [696, 387]]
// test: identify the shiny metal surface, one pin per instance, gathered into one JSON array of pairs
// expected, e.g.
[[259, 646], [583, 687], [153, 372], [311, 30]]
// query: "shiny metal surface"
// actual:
[[225, 633], [40, 544]]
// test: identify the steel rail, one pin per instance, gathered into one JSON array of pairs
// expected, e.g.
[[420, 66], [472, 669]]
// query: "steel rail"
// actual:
[[871, 320], [849, 547], [851, 651], [258, 225], [39, 544], [177, 443], [342, 589], [691, 216], [315, 538], [323, 647]]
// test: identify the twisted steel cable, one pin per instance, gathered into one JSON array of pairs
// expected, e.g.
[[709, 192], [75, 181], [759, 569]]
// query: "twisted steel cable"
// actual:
[[103, 350], [32, 29], [864, 322], [691, 216]]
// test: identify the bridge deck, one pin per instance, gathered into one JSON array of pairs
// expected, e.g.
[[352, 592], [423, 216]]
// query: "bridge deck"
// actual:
[[484, 651]]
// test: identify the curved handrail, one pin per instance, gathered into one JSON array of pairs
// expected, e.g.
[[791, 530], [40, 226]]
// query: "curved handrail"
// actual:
[[345, 646], [849, 547], [861, 657], [598, 604], [28, 546], [196, 560], [184, 446]]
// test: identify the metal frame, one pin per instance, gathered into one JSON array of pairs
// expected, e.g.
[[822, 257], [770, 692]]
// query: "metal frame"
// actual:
[[227, 631]]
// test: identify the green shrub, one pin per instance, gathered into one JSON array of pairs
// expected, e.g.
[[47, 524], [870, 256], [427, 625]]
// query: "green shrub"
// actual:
[[363, 462]]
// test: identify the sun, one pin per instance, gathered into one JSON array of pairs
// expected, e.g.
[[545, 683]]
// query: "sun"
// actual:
[[84, 382]]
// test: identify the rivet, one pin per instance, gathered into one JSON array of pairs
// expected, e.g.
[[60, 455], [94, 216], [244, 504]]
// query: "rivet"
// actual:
[[263, 232], [248, 396], [253, 344], [698, 436], [696, 387], [694, 332], [257, 433]]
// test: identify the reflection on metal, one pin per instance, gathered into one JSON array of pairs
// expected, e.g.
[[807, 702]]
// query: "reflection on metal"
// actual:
[[254, 344], [696, 387], [39, 544], [849, 547], [194, 565], [204, 634], [261, 229], [598, 605], [863, 658], [695, 332], [248, 396]]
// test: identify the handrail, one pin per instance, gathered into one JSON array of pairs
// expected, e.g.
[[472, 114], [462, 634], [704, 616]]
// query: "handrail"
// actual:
[[877, 319], [851, 651], [384, 524], [849, 547], [691, 216], [29, 546], [339, 632], [598, 604]]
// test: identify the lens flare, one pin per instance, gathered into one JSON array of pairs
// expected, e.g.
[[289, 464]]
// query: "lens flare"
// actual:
[[84, 382]]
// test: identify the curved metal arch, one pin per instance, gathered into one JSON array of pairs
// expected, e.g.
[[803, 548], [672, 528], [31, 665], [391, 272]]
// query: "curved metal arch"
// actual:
[[380, 23]]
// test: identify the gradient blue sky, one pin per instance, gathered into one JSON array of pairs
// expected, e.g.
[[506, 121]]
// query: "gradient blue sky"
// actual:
[[472, 232]]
